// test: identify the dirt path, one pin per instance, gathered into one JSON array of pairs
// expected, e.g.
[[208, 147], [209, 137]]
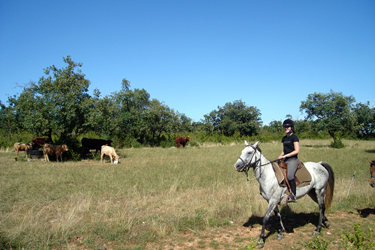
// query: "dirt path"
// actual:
[[299, 232]]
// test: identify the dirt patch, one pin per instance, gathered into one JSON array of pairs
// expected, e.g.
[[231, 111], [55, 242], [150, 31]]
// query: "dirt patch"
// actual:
[[299, 230]]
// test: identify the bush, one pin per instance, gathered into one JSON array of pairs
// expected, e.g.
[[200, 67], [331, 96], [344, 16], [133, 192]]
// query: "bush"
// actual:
[[337, 144]]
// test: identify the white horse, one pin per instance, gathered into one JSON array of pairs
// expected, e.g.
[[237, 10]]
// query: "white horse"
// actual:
[[320, 188]]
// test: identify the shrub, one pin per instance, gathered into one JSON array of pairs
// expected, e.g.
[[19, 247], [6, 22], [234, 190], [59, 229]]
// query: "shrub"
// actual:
[[337, 144]]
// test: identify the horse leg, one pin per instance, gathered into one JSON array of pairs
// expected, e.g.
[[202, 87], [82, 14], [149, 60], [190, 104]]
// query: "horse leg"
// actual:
[[313, 196], [271, 208], [322, 208], [277, 213]]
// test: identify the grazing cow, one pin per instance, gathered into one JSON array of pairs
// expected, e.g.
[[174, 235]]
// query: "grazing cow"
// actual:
[[19, 146], [57, 150], [181, 140], [39, 142], [96, 144], [107, 150]]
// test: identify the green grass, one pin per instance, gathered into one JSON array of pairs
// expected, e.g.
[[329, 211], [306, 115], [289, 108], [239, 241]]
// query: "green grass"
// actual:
[[155, 193]]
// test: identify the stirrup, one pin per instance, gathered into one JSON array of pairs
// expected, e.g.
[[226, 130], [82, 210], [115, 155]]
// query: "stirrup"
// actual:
[[292, 198]]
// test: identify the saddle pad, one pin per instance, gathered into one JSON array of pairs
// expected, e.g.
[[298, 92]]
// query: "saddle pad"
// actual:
[[302, 174]]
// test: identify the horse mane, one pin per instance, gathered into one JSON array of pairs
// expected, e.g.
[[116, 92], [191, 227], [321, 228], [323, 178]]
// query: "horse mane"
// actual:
[[257, 147]]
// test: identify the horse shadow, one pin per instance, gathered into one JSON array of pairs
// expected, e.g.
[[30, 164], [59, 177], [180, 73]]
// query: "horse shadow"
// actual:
[[365, 212], [291, 220], [370, 151]]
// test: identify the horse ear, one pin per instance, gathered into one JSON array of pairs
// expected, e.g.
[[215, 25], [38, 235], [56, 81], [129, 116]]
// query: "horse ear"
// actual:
[[256, 144], [246, 143]]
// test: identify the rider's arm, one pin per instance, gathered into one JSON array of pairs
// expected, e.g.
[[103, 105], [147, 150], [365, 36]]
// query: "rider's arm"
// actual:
[[295, 152]]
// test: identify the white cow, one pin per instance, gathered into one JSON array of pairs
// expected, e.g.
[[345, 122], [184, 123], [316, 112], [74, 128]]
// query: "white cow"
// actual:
[[109, 151]]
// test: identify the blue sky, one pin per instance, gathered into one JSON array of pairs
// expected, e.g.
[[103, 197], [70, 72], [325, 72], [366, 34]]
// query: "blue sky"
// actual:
[[197, 55]]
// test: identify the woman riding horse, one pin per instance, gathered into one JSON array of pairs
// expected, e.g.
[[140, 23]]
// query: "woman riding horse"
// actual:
[[290, 156]]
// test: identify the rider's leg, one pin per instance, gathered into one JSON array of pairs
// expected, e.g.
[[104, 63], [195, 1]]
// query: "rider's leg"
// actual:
[[292, 169], [292, 196]]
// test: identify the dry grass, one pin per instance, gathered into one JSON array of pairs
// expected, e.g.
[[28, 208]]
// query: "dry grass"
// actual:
[[154, 193]]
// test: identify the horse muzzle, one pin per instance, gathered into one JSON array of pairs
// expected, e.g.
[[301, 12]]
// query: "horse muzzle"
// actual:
[[239, 165], [372, 184]]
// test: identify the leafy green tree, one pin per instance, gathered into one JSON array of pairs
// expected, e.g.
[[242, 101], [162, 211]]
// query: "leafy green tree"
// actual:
[[331, 112], [184, 123], [58, 103], [129, 112], [101, 115], [276, 126], [366, 119], [160, 118], [234, 117]]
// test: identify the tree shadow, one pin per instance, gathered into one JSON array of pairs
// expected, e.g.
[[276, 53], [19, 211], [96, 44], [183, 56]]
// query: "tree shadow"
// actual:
[[316, 146], [370, 151], [365, 212], [291, 220]]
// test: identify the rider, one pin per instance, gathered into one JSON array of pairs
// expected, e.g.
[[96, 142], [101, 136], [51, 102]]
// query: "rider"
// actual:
[[289, 155]]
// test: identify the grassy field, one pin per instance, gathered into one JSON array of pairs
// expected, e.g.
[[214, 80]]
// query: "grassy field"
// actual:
[[155, 194]]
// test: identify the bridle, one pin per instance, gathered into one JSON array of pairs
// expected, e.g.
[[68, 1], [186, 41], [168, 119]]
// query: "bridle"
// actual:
[[249, 165]]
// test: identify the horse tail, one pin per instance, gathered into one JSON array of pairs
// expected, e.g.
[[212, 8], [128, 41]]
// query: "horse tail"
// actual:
[[330, 185]]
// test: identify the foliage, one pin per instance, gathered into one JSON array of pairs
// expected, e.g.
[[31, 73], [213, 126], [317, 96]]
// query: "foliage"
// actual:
[[251, 246], [359, 239], [57, 103], [59, 106], [317, 243], [337, 144], [331, 112], [365, 117], [234, 117]]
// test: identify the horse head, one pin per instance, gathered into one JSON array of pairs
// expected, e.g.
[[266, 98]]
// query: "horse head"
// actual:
[[372, 172], [247, 158]]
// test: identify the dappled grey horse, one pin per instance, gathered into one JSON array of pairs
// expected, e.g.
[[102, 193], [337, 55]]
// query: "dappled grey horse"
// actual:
[[320, 188]]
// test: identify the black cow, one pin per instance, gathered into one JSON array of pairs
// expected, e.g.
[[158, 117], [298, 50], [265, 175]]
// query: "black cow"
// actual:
[[96, 144]]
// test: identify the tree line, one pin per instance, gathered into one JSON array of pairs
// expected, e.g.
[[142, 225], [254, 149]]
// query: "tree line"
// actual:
[[59, 106]]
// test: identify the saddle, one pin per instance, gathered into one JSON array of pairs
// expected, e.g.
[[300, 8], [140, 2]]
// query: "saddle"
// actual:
[[302, 176]]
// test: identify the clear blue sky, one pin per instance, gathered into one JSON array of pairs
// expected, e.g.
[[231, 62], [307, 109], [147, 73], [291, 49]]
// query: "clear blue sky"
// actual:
[[197, 55]]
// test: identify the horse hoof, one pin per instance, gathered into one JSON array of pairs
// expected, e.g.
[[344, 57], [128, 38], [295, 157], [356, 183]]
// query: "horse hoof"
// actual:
[[260, 245], [327, 224], [315, 233], [279, 237]]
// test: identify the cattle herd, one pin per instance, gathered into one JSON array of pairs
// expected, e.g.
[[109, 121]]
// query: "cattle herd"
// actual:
[[104, 146]]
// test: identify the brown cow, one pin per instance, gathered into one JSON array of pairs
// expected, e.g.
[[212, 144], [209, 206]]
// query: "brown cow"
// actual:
[[107, 150], [19, 146], [372, 172], [39, 142], [181, 140], [97, 144], [54, 150]]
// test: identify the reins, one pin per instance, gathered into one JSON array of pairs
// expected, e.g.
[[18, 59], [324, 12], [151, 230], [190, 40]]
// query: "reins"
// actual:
[[249, 165]]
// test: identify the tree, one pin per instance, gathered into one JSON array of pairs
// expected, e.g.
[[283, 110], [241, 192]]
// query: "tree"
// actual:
[[159, 118], [129, 112], [234, 117], [331, 112], [58, 103], [366, 119]]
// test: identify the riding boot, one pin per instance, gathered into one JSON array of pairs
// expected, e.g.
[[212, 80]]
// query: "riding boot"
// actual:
[[292, 195]]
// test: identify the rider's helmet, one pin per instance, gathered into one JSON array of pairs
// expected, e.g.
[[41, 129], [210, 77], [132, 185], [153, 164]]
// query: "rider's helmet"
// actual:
[[288, 123]]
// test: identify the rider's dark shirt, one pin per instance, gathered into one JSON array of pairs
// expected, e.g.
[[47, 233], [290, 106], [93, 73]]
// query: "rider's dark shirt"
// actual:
[[288, 142]]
